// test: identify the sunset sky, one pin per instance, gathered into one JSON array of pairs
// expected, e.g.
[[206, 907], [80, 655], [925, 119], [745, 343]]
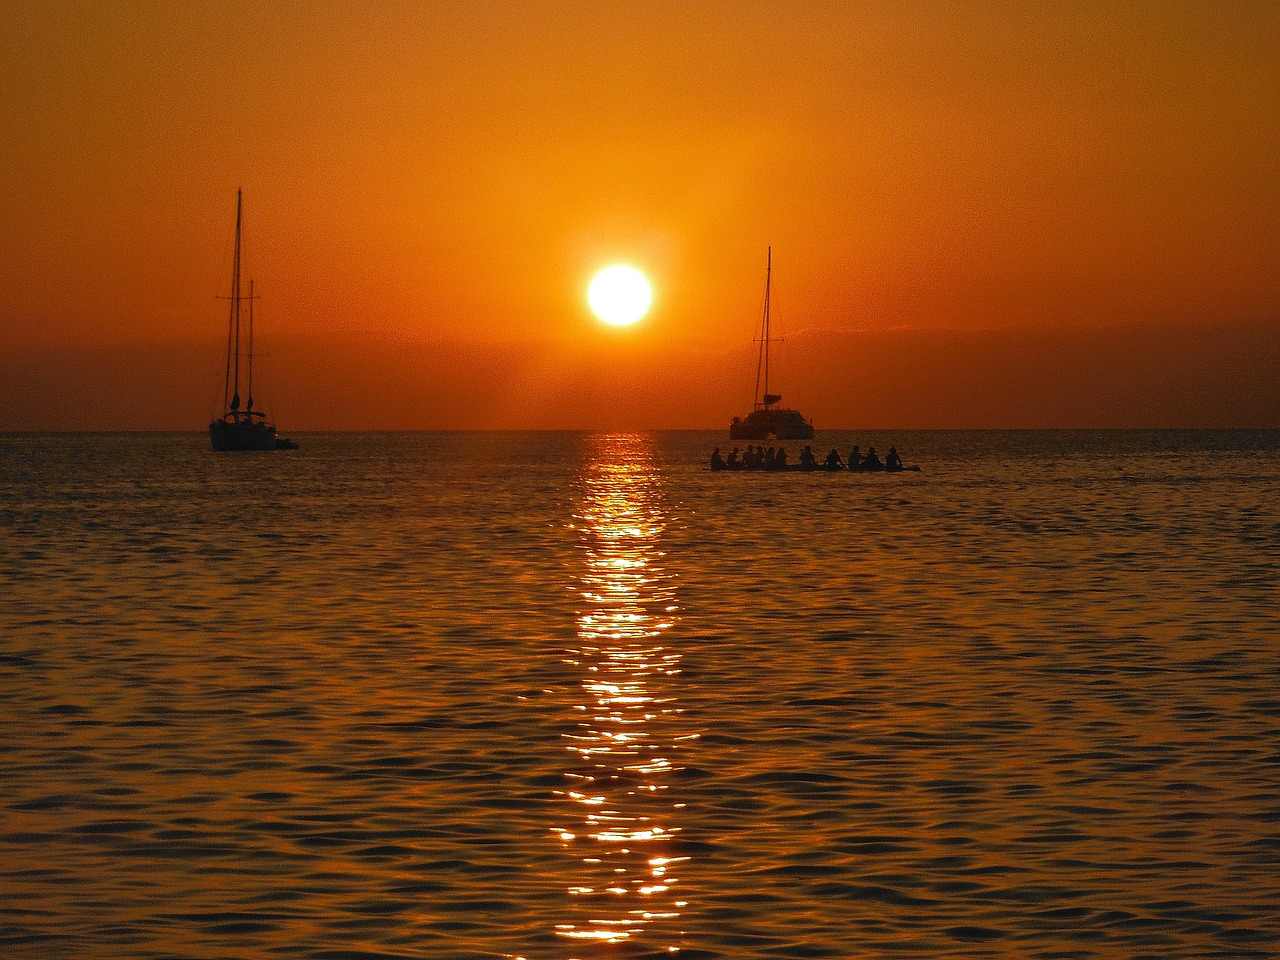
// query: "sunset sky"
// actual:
[[981, 214]]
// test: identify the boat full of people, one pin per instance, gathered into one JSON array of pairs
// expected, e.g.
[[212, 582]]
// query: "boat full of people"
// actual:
[[776, 458]]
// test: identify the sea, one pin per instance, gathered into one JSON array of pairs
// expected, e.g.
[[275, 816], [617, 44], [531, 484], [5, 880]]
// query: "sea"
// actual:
[[573, 695]]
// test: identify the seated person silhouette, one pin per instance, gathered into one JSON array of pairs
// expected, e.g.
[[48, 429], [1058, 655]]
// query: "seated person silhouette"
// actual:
[[855, 460], [892, 461], [717, 461], [806, 458], [780, 461], [733, 463], [769, 458], [833, 461], [872, 462]]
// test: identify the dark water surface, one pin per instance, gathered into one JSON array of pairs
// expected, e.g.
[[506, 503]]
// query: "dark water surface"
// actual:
[[559, 695]]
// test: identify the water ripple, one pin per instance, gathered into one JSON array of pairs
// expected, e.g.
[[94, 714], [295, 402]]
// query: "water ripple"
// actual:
[[522, 695]]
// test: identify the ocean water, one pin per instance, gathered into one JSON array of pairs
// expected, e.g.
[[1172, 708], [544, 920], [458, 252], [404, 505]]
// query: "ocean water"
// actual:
[[574, 696]]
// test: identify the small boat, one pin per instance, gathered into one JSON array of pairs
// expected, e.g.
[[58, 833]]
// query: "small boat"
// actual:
[[241, 428], [816, 468], [766, 419]]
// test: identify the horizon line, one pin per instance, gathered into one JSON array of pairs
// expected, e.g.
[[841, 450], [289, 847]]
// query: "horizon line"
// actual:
[[358, 430]]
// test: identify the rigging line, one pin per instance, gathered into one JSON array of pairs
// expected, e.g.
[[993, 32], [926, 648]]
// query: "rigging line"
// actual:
[[251, 298], [761, 350], [235, 299], [768, 296], [213, 388], [226, 374]]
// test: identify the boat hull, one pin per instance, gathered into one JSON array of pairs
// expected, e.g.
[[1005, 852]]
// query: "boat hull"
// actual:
[[230, 436], [766, 424]]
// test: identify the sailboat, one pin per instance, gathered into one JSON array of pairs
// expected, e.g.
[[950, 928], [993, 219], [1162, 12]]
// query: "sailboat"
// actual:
[[766, 419], [241, 428]]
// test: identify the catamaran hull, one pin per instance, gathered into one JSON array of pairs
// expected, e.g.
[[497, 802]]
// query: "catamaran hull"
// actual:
[[767, 424], [227, 437]]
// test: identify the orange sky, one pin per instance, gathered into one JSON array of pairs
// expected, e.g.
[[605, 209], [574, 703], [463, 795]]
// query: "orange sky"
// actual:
[[959, 195]]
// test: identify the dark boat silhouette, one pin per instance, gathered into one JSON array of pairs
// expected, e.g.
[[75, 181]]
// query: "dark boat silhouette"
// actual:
[[817, 468], [766, 419], [241, 428]]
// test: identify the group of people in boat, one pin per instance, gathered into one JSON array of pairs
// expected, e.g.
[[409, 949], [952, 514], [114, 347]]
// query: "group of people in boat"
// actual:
[[775, 458]]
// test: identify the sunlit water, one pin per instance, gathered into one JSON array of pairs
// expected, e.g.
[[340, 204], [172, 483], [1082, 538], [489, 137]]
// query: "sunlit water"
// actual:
[[573, 696]]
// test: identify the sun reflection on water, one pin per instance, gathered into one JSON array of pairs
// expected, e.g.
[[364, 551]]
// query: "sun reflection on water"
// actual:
[[618, 805]]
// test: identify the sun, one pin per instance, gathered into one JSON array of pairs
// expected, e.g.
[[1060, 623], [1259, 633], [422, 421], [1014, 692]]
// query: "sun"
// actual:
[[619, 294]]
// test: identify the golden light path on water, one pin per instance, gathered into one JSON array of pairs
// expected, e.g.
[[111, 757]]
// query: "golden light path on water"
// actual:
[[621, 814]]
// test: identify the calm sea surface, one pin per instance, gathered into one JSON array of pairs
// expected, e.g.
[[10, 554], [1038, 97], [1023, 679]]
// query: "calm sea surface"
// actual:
[[574, 696]]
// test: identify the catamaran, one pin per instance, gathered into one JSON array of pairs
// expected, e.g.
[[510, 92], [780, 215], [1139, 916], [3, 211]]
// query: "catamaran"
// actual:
[[237, 428], [767, 420]]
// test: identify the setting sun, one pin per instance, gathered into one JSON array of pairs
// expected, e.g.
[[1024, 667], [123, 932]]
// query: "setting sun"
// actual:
[[619, 294]]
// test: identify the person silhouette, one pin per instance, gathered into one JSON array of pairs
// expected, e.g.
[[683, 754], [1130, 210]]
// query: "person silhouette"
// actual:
[[833, 461], [733, 463], [892, 461], [717, 461], [855, 461], [806, 458], [872, 462], [780, 462]]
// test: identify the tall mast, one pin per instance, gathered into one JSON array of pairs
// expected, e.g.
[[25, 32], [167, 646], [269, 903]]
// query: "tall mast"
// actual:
[[235, 305], [251, 298]]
